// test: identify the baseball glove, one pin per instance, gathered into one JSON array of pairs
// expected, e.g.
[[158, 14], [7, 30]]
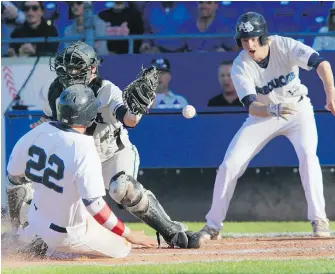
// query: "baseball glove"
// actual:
[[139, 94]]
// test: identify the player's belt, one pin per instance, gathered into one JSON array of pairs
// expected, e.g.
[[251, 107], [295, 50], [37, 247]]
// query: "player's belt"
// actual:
[[57, 228]]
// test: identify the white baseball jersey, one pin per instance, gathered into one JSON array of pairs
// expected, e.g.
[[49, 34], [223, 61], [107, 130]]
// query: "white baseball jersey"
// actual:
[[110, 97], [279, 82], [64, 167]]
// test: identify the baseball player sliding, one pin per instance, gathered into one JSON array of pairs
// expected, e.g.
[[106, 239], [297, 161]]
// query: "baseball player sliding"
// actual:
[[266, 77], [119, 158], [68, 211]]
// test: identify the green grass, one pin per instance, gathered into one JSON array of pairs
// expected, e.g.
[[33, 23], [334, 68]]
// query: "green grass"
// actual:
[[289, 266], [268, 267], [236, 227], [244, 227]]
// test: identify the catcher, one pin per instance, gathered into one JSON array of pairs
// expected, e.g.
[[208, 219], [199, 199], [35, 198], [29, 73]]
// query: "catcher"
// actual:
[[78, 64]]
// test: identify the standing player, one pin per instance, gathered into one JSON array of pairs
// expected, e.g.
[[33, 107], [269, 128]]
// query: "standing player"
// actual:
[[64, 166], [78, 63], [266, 78]]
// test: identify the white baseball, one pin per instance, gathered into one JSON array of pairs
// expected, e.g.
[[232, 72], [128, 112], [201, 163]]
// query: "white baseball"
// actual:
[[189, 111]]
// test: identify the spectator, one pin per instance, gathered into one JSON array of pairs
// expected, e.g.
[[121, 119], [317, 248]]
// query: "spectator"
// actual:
[[207, 23], [326, 42], [165, 98], [123, 19], [228, 95], [140, 5], [11, 17], [76, 12], [164, 18], [34, 26]]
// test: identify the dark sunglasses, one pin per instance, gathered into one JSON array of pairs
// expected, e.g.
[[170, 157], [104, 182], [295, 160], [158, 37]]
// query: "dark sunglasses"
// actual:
[[76, 2], [27, 8]]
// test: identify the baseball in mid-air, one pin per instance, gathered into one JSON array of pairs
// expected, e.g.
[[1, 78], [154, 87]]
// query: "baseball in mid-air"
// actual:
[[189, 111]]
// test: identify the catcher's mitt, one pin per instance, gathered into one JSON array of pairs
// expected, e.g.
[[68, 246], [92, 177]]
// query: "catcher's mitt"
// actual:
[[139, 94]]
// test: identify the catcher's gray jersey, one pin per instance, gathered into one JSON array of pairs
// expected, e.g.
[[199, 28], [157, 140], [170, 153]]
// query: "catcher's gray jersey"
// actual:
[[109, 133]]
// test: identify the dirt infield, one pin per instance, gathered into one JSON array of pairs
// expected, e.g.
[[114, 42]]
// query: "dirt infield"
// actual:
[[227, 249]]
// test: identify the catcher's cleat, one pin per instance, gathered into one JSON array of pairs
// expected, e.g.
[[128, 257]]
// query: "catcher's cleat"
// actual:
[[179, 239], [210, 233], [195, 239], [321, 228]]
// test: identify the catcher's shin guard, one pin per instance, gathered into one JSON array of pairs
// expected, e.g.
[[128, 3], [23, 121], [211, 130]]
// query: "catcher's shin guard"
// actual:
[[156, 217], [143, 204], [19, 195]]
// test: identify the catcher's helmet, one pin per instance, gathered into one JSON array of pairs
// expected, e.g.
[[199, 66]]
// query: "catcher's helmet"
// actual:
[[77, 106], [251, 24], [73, 64]]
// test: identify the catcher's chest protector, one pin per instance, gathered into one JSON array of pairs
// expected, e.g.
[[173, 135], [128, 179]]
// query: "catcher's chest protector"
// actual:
[[56, 88], [55, 91]]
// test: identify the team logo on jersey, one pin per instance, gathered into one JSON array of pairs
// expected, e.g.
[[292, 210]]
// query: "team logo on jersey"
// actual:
[[279, 82], [246, 27]]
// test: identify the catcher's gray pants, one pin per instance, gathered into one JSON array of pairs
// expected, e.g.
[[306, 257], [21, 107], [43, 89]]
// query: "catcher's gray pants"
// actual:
[[126, 160]]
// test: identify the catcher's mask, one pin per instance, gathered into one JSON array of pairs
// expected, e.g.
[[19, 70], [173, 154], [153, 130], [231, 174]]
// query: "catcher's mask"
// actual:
[[74, 64]]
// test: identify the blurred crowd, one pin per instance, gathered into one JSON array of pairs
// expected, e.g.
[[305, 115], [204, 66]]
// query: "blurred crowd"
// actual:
[[22, 19], [166, 99]]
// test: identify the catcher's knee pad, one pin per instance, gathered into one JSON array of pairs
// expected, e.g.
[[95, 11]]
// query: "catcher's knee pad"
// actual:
[[143, 204], [19, 195], [128, 192]]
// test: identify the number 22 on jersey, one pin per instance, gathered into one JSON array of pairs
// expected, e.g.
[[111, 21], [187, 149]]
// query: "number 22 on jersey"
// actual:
[[41, 165]]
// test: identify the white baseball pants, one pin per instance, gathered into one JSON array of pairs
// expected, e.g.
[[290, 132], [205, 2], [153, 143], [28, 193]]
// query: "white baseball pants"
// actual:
[[88, 238], [254, 134]]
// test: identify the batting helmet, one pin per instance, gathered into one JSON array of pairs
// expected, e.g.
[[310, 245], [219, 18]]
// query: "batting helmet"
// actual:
[[77, 106], [73, 64], [251, 24]]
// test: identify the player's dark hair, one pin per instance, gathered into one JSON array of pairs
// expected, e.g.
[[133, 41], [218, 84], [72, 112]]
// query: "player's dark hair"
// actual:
[[226, 62], [40, 3]]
